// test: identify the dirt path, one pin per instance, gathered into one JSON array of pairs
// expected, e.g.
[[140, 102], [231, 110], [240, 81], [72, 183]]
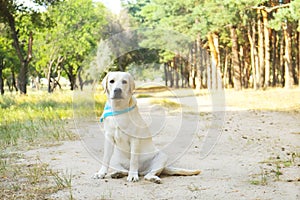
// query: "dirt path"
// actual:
[[255, 157]]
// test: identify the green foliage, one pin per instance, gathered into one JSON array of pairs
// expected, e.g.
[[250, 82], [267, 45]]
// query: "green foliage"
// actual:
[[284, 15], [65, 34], [78, 27]]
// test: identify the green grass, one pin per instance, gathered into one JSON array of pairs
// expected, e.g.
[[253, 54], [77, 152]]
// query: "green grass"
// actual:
[[36, 116], [166, 103], [144, 96], [40, 117]]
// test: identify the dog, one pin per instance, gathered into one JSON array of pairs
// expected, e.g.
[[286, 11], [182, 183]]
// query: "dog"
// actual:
[[128, 145]]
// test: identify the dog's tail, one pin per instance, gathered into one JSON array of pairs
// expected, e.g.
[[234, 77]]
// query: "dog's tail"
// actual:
[[173, 171]]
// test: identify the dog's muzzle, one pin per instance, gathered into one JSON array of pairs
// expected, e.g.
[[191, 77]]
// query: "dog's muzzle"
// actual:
[[117, 93]]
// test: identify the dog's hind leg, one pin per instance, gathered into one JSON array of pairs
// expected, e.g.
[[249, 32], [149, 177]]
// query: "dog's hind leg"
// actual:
[[119, 174], [119, 170], [156, 167]]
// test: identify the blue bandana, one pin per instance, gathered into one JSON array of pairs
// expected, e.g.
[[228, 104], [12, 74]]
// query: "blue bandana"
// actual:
[[107, 112]]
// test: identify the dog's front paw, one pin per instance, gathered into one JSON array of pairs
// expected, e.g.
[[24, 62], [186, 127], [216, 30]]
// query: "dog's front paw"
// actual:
[[99, 175], [133, 177]]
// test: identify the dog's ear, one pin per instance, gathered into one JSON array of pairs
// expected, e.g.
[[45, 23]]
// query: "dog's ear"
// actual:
[[132, 84], [104, 83]]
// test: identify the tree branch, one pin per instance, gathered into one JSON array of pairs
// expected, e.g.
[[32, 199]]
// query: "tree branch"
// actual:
[[270, 9], [29, 52]]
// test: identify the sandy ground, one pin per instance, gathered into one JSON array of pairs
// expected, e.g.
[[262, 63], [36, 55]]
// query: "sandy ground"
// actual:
[[250, 148]]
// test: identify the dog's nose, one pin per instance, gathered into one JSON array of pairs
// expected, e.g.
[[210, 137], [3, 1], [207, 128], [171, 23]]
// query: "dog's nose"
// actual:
[[117, 92]]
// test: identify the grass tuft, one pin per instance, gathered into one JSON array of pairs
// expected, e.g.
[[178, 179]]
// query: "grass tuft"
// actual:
[[166, 103]]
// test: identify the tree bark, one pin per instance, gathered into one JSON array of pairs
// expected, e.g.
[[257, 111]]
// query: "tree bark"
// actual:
[[281, 61], [267, 48], [275, 58], [288, 71], [166, 74], [216, 82], [49, 76], [81, 83], [225, 82], [200, 66], [171, 74], [260, 51], [256, 58], [253, 56], [175, 69], [14, 83], [192, 73], [298, 57], [72, 76], [1, 77], [235, 59], [24, 67]]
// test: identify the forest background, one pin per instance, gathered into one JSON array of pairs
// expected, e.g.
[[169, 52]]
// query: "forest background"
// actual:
[[236, 44]]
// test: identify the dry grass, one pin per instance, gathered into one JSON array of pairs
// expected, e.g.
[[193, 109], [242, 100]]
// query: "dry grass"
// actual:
[[34, 180], [273, 99]]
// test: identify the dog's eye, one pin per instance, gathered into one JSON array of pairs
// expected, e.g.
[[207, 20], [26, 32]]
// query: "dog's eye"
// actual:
[[124, 82], [112, 81]]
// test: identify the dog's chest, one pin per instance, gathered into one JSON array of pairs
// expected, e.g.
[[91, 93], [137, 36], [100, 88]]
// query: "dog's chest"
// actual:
[[121, 139]]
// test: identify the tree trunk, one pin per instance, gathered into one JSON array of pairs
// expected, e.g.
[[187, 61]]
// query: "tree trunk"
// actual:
[[49, 76], [298, 54], [24, 62], [80, 78], [267, 48], [235, 59], [13, 81], [195, 63], [1, 78], [22, 79], [256, 58], [275, 59], [57, 70], [200, 67], [175, 69], [205, 57], [260, 51], [281, 61], [246, 64], [253, 56], [72, 77], [171, 74], [166, 74], [216, 82], [192, 67], [225, 82], [288, 71]]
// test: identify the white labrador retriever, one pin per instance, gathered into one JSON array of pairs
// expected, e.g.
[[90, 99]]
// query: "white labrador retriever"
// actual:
[[128, 146]]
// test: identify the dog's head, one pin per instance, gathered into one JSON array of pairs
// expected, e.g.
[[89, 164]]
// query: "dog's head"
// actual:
[[118, 85]]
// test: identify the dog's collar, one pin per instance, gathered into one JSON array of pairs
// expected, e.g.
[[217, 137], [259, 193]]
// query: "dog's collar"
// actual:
[[107, 112]]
